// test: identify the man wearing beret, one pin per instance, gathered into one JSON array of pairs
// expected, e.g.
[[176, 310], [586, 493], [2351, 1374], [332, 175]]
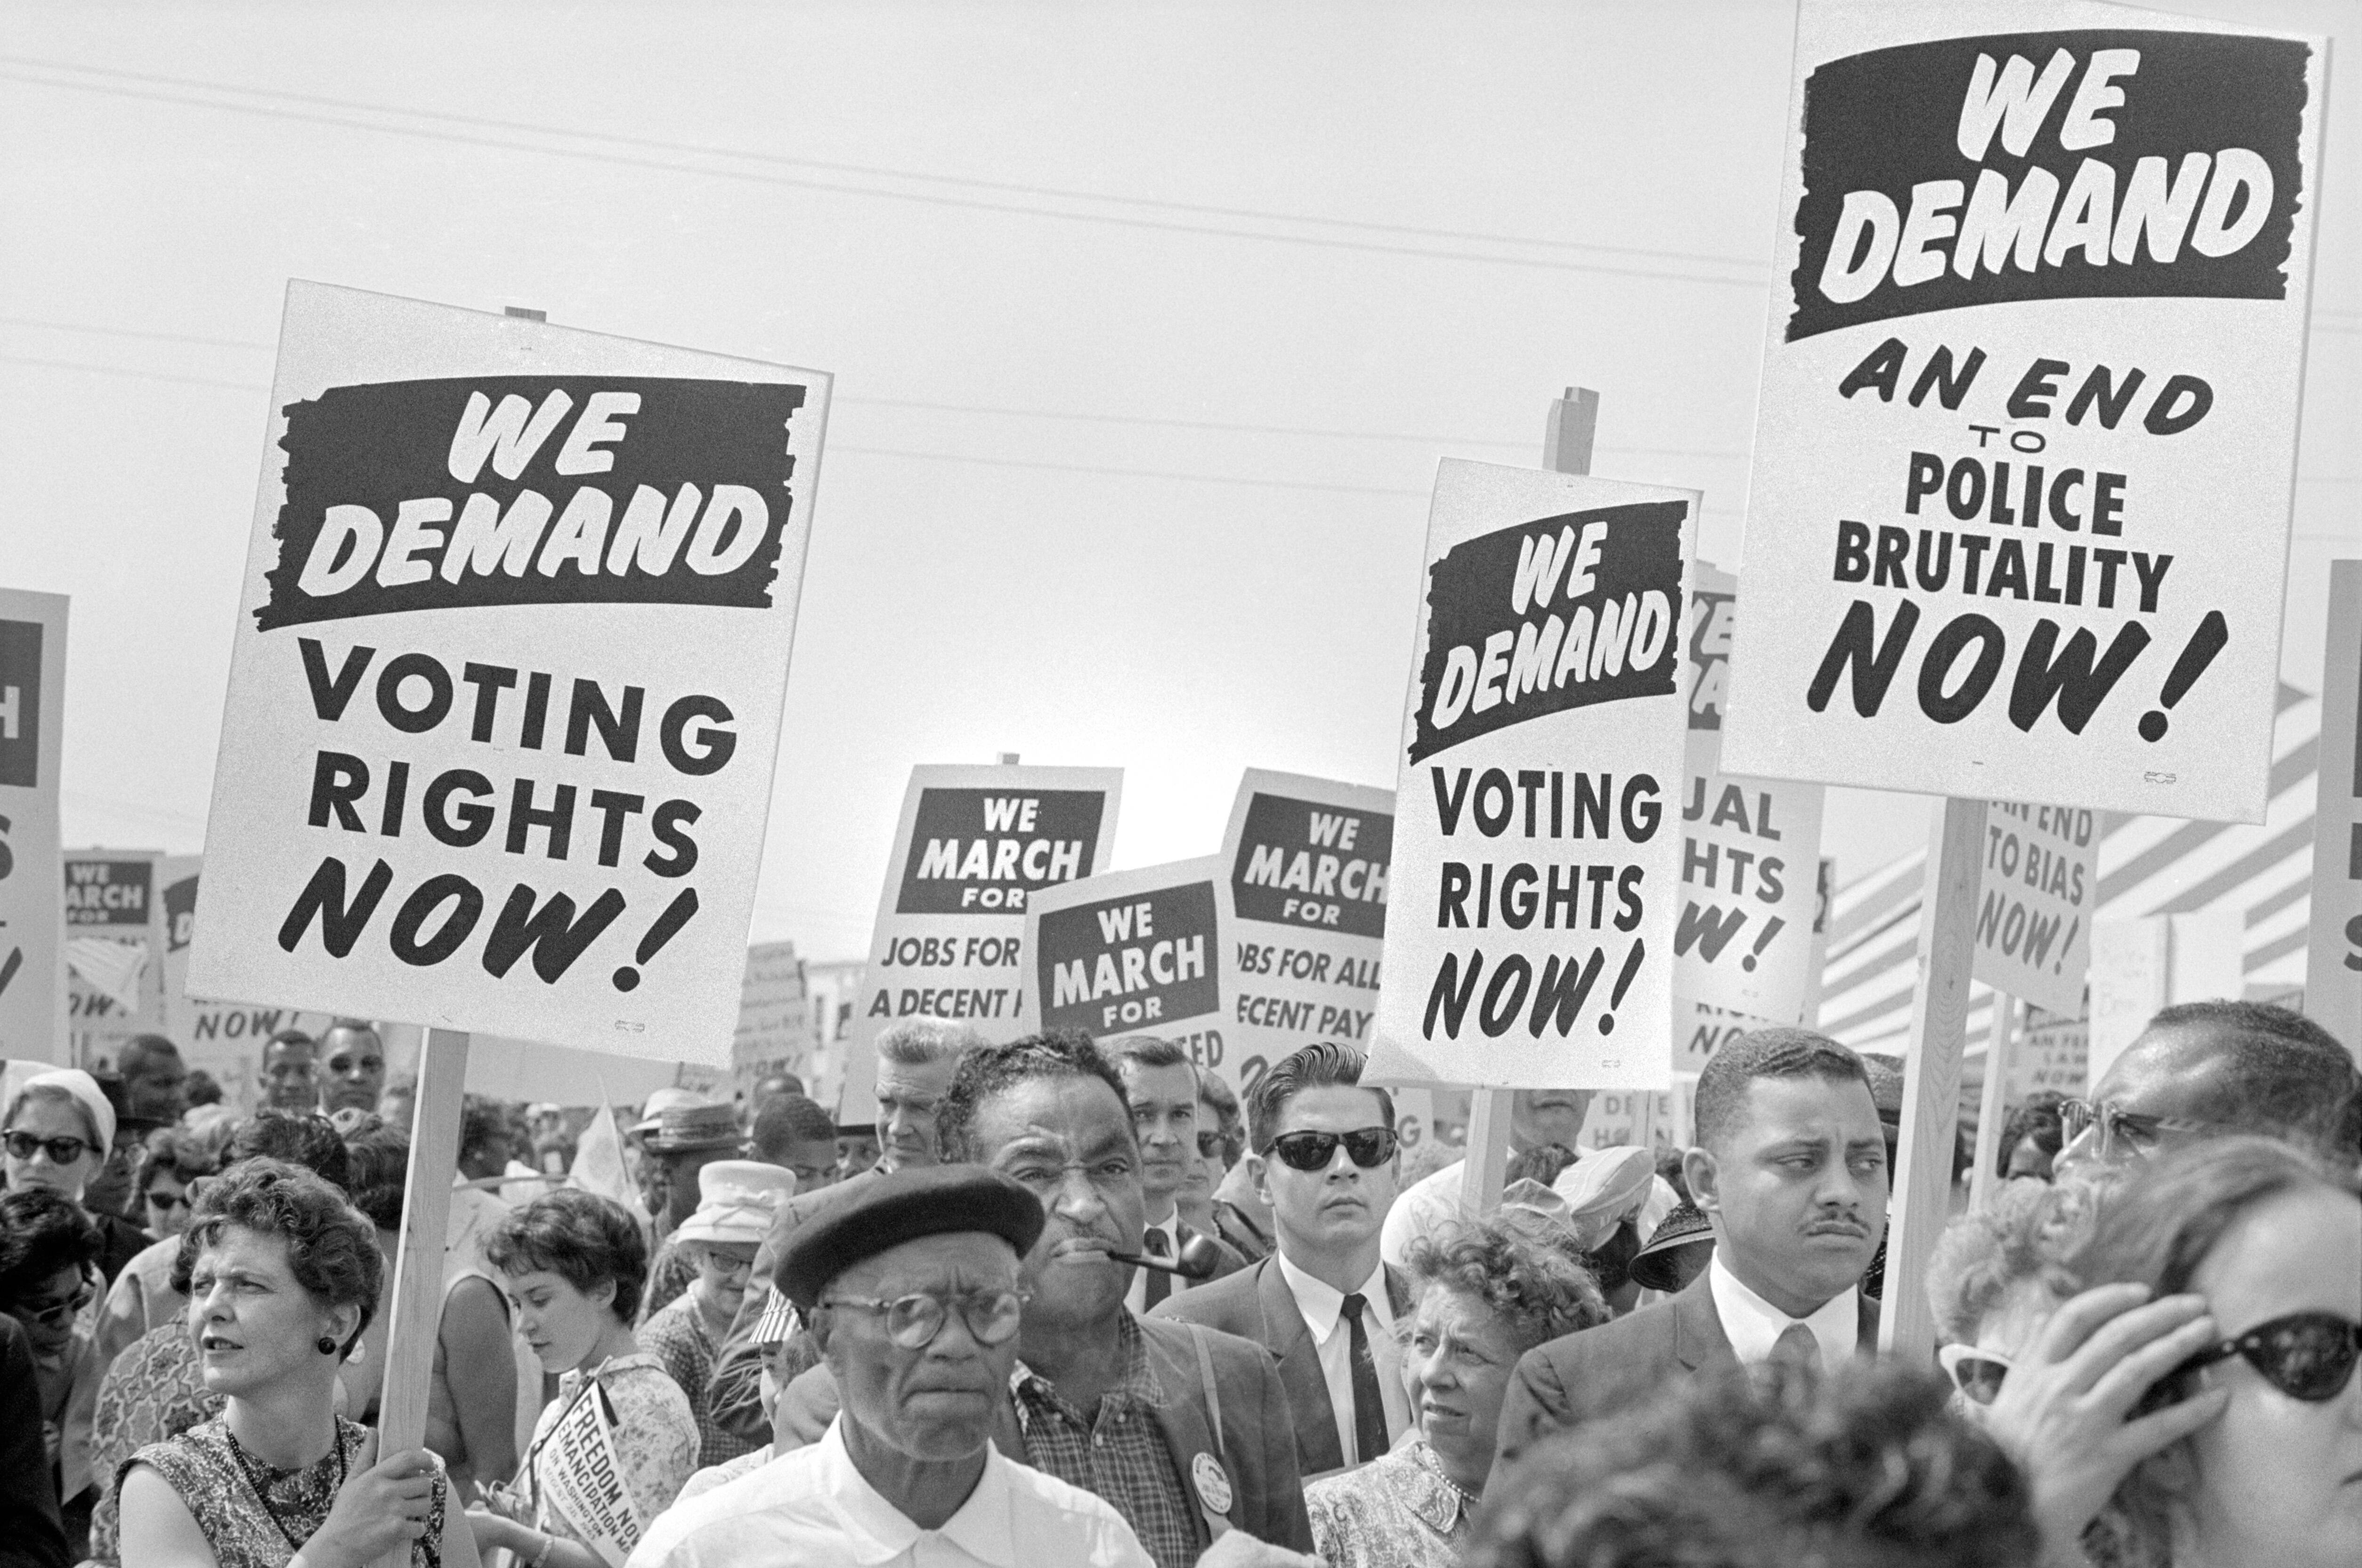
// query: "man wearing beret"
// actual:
[[910, 1290], [1185, 1429]]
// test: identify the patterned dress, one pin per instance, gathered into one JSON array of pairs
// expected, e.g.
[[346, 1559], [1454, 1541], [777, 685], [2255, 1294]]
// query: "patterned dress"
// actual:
[[203, 1465], [1397, 1511], [678, 1337], [155, 1390]]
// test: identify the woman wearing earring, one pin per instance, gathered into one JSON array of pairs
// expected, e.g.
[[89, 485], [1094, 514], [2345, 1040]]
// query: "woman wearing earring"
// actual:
[[573, 1264], [282, 1274]]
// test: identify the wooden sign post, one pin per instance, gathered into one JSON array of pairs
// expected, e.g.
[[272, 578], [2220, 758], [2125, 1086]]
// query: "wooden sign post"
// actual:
[[1992, 1106], [415, 1300]]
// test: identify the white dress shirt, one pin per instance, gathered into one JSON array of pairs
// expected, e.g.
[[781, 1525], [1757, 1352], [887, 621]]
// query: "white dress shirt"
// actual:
[[1135, 1295], [814, 1508], [1753, 1325], [1323, 1306]]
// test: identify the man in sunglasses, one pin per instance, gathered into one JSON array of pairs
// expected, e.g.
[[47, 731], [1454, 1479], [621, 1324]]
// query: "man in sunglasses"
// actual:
[[1790, 1168], [2205, 1069], [1162, 1089], [910, 1283], [1324, 1304]]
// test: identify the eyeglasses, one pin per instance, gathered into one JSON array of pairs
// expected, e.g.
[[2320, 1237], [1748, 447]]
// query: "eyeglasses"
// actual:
[[57, 1314], [1366, 1146], [1209, 1145], [1977, 1373], [2138, 1131], [2305, 1355], [914, 1322], [167, 1201], [61, 1151]]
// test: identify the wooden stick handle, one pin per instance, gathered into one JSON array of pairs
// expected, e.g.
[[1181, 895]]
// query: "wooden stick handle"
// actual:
[[414, 1301]]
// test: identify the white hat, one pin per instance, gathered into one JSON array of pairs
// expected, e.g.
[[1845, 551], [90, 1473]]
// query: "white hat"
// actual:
[[84, 1088], [1602, 1187], [736, 1200]]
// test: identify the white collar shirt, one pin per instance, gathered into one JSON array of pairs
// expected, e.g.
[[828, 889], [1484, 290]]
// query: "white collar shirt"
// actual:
[[1753, 1325], [814, 1508], [1323, 1306], [1135, 1295]]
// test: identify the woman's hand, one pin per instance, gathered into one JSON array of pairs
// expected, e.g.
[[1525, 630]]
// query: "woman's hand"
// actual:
[[381, 1508], [2061, 1410], [498, 1532]]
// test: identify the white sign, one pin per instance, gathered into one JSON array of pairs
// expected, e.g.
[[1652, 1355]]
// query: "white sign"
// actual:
[[1750, 849], [505, 692], [1303, 903], [1538, 835], [975, 845], [114, 951], [2034, 899], [775, 1031], [2017, 518], [2333, 972], [584, 1479], [1131, 953], [32, 720]]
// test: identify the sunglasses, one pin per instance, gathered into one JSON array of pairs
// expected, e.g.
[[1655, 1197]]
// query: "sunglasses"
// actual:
[[1977, 1373], [2305, 1355], [2139, 1133], [57, 1314], [914, 1322], [167, 1201], [61, 1151], [1366, 1146]]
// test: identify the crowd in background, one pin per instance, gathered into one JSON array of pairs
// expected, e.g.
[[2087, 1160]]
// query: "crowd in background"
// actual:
[[1067, 1302]]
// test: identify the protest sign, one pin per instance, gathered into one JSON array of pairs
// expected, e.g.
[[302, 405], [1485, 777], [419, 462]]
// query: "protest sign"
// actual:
[[1131, 953], [2333, 950], [32, 719], [973, 848], [1537, 836], [2052, 1053], [775, 1031], [2019, 501], [505, 691], [225, 1039], [585, 1477], [1750, 848], [2034, 900], [114, 951], [2141, 964], [1303, 906]]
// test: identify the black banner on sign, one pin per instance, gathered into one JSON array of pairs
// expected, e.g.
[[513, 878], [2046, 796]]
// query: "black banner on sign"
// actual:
[[180, 914], [1304, 864], [1561, 612], [20, 703], [2033, 166], [1135, 962], [982, 851], [531, 490], [108, 892]]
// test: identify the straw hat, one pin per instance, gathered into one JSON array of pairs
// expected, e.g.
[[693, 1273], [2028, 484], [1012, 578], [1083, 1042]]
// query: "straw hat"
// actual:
[[1655, 1265], [687, 1129], [736, 1200]]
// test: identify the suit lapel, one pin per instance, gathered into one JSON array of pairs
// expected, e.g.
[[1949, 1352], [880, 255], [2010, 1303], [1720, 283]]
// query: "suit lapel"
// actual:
[[1299, 1370], [1866, 1321], [1697, 1328]]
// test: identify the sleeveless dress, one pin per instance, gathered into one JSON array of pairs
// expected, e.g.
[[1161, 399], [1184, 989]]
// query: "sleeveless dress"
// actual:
[[202, 1465]]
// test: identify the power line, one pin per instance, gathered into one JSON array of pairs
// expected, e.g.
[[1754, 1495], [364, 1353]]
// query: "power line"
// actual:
[[880, 171], [971, 204]]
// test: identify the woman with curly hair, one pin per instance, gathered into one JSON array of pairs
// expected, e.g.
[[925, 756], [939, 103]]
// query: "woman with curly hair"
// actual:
[[573, 1265], [282, 1274], [1490, 1292], [49, 1258]]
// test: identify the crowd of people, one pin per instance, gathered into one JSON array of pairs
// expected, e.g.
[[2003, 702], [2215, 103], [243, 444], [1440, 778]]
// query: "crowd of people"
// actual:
[[1068, 1303]]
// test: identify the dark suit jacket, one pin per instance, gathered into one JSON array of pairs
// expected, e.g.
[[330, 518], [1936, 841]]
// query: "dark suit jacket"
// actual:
[[1596, 1372], [1230, 1260], [1257, 1304], [1255, 1447], [733, 1390], [30, 1533]]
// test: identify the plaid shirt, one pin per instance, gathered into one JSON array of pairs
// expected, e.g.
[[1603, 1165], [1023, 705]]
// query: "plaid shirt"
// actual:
[[1121, 1457]]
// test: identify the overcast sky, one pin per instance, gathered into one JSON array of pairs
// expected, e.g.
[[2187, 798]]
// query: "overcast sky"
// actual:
[[1149, 326]]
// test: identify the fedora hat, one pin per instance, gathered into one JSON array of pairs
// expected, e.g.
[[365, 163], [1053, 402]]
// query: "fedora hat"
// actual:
[[687, 1129]]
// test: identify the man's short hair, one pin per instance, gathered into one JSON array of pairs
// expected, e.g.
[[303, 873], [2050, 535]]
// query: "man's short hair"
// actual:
[[299, 1137], [358, 1025], [788, 1119], [1324, 1064], [290, 1037], [2286, 1076], [993, 1070], [1763, 1468], [482, 1120], [1724, 1083], [132, 1059], [921, 1040], [1146, 1051]]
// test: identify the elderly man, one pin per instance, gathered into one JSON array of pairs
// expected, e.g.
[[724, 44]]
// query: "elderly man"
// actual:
[[1162, 1087], [290, 1075], [1185, 1429], [910, 1283], [1790, 1167], [355, 1059], [916, 1059], [155, 1084], [2204, 1069]]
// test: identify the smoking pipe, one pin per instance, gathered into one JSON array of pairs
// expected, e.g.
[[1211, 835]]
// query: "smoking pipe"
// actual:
[[1200, 1257]]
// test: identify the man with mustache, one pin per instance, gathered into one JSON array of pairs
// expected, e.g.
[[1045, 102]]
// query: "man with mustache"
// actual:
[[1323, 1303], [1790, 1168], [910, 1283]]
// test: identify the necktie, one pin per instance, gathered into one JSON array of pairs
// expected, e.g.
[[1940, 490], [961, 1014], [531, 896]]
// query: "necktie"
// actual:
[[1159, 1283], [1369, 1405], [1797, 1347]]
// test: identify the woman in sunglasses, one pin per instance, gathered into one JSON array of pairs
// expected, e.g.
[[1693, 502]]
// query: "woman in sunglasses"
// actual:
[[573, 1265], [59, 1131], [48, 1252], [1996, 1276], [2199, 1397], [173, 1160]]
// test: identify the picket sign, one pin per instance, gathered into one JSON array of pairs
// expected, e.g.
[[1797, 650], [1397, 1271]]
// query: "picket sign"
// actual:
[[1566, 449], [2001, 1041], [2333, 973], [417, 1310]]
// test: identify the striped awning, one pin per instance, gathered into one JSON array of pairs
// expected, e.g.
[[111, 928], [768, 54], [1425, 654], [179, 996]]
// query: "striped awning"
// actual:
[[2149, 866]]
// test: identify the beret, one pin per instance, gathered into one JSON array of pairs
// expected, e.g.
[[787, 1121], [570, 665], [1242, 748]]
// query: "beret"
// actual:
[[869, 1215]]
